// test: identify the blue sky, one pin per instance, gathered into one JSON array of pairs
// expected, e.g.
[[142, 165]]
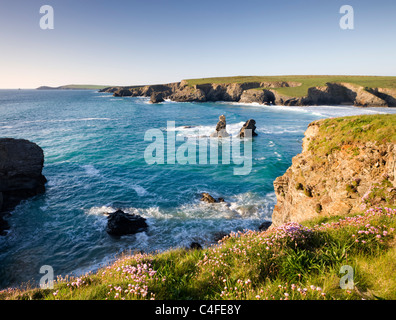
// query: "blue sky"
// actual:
[[123, 42]]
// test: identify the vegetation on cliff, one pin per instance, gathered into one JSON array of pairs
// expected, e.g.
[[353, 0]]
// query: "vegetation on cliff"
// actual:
[[335, 132], [305, 81], [364, 91], [294, 261]]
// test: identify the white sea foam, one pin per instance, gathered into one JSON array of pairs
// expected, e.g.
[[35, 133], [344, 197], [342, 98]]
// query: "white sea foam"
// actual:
[[242, 206], [139, 190], [200, 131], [91, 170]]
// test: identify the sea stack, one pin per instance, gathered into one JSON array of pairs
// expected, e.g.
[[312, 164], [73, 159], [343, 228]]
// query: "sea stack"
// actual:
[[250, 125], [221, 131], [21, 165]]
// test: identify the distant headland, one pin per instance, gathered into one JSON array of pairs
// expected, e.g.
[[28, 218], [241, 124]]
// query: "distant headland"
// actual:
[[73, 87], [362, 91]]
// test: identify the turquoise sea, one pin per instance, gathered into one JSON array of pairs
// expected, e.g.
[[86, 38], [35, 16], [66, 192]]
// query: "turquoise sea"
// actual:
[[94, 163]]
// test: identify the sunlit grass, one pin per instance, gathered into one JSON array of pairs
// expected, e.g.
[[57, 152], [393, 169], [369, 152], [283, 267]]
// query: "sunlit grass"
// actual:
[[289, 262], [306, 81]]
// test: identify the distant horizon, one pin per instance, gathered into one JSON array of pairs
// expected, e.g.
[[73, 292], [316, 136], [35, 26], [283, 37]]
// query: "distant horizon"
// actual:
[[156, 83]]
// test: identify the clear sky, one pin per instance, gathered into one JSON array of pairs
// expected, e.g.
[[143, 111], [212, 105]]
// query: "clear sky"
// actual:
[[122, 42]]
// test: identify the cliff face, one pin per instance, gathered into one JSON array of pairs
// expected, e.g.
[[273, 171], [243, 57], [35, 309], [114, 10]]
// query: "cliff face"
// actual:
[[264, 93], [21, 164], [341, 178]]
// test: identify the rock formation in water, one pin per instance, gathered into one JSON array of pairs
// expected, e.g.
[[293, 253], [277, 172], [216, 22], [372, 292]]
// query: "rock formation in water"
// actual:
[[345, 166], [249, 125], [206, 197], [120, 223], [221, 131], [156, 97], [21, 165]]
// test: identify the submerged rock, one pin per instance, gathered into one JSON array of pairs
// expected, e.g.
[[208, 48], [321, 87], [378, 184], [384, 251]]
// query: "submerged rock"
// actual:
[[21, 165], [250, 125], [206, 197], [195, 245], [217, 236], [265, 225], [120, 223]]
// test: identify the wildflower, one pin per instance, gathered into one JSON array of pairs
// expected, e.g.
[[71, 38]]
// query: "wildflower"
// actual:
[[258, 297]]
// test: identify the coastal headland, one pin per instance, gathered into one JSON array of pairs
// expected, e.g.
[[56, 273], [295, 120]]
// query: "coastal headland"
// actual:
[[362, 91]]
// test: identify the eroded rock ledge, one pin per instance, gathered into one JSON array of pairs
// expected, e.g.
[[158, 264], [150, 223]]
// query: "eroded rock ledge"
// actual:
[[263, 93], [338, 177], [21, 164]]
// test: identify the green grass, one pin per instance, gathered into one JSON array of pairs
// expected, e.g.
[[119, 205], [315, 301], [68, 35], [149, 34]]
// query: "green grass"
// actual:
[[305, 80], [334, 133], [289, 262]]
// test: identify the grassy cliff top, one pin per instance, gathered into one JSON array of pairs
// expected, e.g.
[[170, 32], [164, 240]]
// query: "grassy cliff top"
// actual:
[[299, 262], [306, 81], [336, 132]]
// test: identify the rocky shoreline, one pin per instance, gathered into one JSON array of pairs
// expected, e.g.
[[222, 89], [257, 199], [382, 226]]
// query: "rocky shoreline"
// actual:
[[21, 165], [343, 179], [261, 92]]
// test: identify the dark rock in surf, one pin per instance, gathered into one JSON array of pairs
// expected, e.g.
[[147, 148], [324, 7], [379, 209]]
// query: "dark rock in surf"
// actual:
[[249, 125], [120, 223], [206, 197], [265, 225], [219, 235], [195, 246]]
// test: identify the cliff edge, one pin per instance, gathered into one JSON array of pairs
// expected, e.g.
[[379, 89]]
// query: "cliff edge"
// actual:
[[290, 91], [346, 164], [21, 164]]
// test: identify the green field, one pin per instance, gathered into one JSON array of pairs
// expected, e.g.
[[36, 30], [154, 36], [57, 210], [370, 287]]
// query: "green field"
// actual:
[[336, 132], [306, 82]]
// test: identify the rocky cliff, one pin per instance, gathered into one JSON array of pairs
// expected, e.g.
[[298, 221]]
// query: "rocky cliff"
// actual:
[[264, 93], [21, 164], [346, 164]]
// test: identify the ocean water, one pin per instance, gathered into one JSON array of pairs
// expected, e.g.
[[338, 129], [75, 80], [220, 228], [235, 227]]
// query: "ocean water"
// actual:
[[94, 162]]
